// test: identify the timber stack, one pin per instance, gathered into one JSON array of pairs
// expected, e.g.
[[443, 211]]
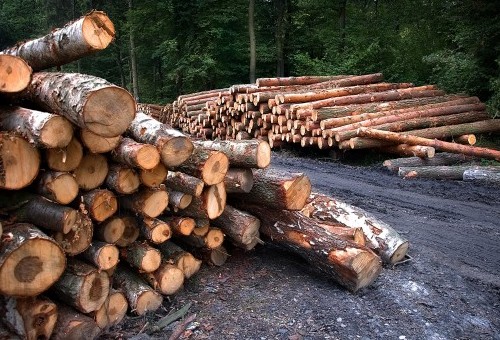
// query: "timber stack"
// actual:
[[105, 209], [339, 113]]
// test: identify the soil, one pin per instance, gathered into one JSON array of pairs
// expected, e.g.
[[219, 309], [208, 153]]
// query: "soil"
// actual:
[[449, 288]]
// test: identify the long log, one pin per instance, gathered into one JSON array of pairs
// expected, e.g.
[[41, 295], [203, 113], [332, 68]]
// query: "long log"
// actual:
[[19, 162], [42, 129], [242, 154], [241, 228], [455, 172], [98, 144], [92, 171], [437, 144], [381, 237], [488, 176], [98, 105], [30, 261], [174, 147], [441, 132], [15, 74], [140, 296], [86, 35], [78, 238], [441, 158], [58, 186], [72, 324], [135, 154], [351, 265], [281, 191], [209, 165], [31, 318], [302, 80], [65, 159], [112, 311]]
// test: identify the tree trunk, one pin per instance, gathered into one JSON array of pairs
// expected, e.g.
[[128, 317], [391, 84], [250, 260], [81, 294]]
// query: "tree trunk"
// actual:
[[140, 155], [88, 34], [455, 172], [122, 179], [240, 227], [74, 325], [441, 158], [82, 286], [133, 61], [102, 255], [78, 238], [251, 34], [42, 129], [147, 202], [140, 296], [184, 183], [142, 256], [280, 33], [238, 180], [110, 230], [92, 171], [100, 203], [210, 204], [174, 147], [58, 186], [98, 144], [101, 107], [30, 261], [381, 237], [209, 165], [15, 74], [112, 311], [154, 230], [154, 177], [437, 144], [281, 191], [167, 279], [65, 159], [243, 154], [30, 318], [349, 264], [19, 162], [181, 258]]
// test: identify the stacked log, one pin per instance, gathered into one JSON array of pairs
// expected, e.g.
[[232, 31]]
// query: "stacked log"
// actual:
[[90, 181], [326, 113]]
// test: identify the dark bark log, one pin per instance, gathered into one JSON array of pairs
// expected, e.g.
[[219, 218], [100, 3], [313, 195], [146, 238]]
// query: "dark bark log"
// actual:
[[110, 230], [238, 180], [78, 238], [241, 228], [178, 200], [184, 183], [72, 324], [488, 176], [30, 261], [182, 259], [147, 202], [441, 158], [130, 233], [82, 286], [102, 255], [142, 256], [58, 186], [154, 230], [135, 154], [455, 172]]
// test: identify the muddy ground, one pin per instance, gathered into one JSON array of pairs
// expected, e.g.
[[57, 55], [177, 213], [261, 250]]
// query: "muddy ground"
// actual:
[[450, 289]]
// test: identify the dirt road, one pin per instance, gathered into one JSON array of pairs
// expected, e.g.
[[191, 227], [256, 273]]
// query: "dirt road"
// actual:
[[450, 289]]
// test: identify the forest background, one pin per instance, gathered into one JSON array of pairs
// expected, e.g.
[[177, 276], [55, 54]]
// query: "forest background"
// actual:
[[172, 47]]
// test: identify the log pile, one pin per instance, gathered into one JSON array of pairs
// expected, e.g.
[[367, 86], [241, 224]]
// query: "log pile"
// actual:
[[337, 113], [105, 209]]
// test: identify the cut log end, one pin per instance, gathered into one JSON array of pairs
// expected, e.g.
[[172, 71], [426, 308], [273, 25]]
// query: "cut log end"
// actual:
[[109, 111], [168, 278], [399, 253], [112, 311], [63, 189], [147, 157], [19, 164], [366, 266], [263, 155], [98, 144], [65, 159], [108, 257], [176, 151], [189, 264], [148, 301], [56, 133], [155, 203], [215, 168], [98, 31], [297, 192], [215, 200], [94, 291], [15, 74], [154, 177]]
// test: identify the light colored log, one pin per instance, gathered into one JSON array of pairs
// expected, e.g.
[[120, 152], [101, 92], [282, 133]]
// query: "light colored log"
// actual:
[[15, 74], [58, 186]]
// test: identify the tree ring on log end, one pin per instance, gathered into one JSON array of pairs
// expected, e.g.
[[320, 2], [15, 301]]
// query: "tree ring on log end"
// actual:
[[263, 155], [28, 268], [98, 30], [176, 151]]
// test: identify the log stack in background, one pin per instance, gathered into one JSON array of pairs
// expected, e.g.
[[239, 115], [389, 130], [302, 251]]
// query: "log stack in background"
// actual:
[[105, 209], [337, 113]]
